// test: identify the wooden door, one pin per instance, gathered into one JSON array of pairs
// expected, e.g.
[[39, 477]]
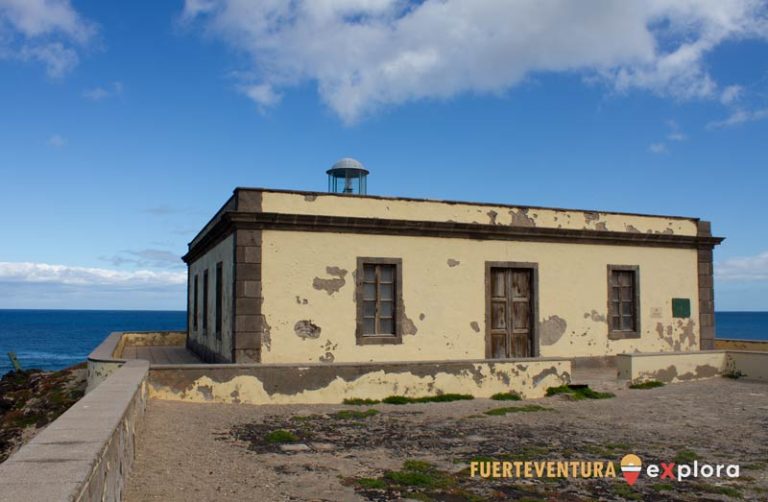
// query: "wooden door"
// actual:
[[511, 300]]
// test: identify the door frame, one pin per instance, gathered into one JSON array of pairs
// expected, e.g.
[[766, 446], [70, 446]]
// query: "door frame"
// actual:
[[534, 268]]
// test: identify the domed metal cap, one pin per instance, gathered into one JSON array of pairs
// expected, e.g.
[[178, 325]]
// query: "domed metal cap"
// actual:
[[348, 168]]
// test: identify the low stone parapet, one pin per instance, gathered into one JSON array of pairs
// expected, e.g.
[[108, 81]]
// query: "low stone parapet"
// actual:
[[108, 356], [733, 344], [87, 452]]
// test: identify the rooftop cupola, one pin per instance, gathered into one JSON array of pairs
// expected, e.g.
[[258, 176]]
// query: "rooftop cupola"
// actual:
[[347, 176]]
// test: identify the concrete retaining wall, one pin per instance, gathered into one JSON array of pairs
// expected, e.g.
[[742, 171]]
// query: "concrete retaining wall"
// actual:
[[331, 383], [684, 366], [750, 345], [750, 365], [670, 366], [87, 452]]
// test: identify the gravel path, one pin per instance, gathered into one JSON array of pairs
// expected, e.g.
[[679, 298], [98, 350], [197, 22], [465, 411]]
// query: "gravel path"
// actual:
[[219, 452]]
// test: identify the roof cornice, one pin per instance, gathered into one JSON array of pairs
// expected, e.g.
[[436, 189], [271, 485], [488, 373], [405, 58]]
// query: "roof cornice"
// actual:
[[232, 220]]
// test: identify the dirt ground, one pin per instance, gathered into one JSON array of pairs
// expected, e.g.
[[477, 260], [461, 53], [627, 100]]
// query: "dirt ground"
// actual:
[[224, 452]]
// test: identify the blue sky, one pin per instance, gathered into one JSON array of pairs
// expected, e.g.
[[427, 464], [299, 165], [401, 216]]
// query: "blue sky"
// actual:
[[124, 127]]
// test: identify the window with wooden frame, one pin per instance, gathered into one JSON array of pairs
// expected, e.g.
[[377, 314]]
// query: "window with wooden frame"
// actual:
[[379, 300], [623, 302]]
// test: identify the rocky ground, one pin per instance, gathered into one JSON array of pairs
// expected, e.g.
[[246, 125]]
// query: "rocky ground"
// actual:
[[422, 451], [30, 400]]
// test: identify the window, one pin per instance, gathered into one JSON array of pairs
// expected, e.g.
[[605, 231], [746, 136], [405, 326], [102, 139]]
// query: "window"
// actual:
[[195, 303], [219, 286], [623, 302], [379, 300], [205, 302]]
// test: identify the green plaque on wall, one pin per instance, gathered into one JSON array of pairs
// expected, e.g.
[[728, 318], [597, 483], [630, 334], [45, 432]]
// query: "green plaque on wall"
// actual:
[[681, 307]]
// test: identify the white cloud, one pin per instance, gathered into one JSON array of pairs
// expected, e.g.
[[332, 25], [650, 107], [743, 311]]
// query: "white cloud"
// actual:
[[744, 268], [676, 136], [367, 54], [263, 94], [46, 31], [100, 93], [153, 258], [43, 273], [731, 94], [57, 141], [740, 116]]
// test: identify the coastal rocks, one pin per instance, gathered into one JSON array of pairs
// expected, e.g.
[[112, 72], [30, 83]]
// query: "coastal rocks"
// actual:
[[31, 399]]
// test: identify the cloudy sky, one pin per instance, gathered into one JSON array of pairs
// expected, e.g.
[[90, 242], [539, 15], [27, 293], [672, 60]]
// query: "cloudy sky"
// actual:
[[124, 126]]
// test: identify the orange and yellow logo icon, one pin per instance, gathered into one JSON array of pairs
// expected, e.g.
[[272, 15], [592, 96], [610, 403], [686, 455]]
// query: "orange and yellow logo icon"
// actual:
[[630, 468]]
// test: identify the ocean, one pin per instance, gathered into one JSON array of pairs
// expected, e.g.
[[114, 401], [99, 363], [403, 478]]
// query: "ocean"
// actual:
[[55, 339]]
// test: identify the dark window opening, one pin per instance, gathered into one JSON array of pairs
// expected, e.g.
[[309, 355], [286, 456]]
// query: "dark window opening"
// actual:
[[205, 302], [195, 309], [219, 288]]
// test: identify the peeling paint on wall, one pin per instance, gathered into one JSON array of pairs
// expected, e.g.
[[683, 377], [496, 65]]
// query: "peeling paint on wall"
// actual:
[[206, 391], [682, 338], [538, 378], [331, 286], [310, 197], [492, 216], [409, 328], [688, 336], [306, 329], [672, 374], [326, 383], [327, 358], [665, 375], [520, 218], [551, 330], [590, 216], [453, 263], [595, 316], [266, 334], [632, 229], [475, 327]]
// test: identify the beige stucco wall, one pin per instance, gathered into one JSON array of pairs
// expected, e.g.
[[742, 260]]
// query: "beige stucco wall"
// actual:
[[222, 252], [445, 300], [424, 210], [671, 367]]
